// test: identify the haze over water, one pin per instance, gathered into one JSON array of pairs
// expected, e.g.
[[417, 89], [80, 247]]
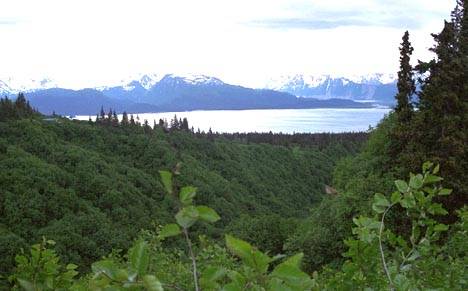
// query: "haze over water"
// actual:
[[275, 120]]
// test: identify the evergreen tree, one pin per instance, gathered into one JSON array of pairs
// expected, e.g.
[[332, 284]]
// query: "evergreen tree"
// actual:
[[175, 123], [115, 119], [132, 120], [184, 124], [439, 131], [125, 121], [109, 116], [102, 114], [405, 84]]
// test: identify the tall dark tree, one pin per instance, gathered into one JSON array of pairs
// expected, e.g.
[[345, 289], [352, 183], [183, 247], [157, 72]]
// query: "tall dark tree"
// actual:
[[184, 124], [125, 121], [102, 114], [406, 85], [439, 131], [115, 119]]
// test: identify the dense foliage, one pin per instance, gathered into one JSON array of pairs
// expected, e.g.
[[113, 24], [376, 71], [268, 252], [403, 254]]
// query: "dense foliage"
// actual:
[[91, 187]]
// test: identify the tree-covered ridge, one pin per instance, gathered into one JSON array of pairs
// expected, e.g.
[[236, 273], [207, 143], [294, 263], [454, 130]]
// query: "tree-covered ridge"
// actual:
[[91, 186], [377, 257]]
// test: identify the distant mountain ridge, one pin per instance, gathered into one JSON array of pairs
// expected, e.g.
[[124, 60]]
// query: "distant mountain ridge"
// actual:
[[378, 88], [156, 93]]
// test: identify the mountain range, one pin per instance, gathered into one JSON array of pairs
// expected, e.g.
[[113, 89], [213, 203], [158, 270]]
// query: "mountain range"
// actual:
[[377, 88], [158, 93]]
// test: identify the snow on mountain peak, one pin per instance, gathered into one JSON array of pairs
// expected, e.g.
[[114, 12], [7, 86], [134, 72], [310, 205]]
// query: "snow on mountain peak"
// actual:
[[10, 85], [197, 79], [300, 81]]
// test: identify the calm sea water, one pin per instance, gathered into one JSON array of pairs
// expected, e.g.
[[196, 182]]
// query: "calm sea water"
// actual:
[[275, 120]]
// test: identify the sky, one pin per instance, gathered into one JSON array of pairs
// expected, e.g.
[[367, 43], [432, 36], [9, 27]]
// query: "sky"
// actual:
[[82, 43]]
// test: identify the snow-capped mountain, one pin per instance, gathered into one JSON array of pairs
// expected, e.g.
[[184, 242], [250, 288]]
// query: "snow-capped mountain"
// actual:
[[380, 88], [12, 86], [152, 93]]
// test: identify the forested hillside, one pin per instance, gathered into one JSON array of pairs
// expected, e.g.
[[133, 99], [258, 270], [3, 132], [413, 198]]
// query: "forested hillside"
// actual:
[[92, 187]]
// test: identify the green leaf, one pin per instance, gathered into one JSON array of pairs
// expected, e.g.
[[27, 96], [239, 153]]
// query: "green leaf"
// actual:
[[436, 169], [396, 197], [207, 214], [71, 267], [292, 276], [139, 257], [380, 203], [187, 194], [107, 267], [213, 274], [426, 166], [436, 208], [295, 260], [169, 230], [249, 255], [441, 227], [151, 283], [416, 182], [445, 191], [28, 286], [187, 216], [166, 179], [431, 179], [238, 247], [408, 201], [401, 185]]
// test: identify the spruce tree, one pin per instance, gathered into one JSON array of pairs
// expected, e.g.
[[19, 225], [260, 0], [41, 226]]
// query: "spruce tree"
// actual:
[[124, 121], [439, 131], [406, 85]]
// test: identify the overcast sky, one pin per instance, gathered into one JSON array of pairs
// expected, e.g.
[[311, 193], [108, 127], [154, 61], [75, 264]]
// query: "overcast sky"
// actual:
[[91, 42]]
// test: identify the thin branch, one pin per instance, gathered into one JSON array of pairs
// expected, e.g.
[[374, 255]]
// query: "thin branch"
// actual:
[[382, 255], [192, 256]]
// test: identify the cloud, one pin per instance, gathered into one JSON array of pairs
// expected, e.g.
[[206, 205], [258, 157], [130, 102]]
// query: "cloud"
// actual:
[[314, 24], [330, 14], [9, 21]]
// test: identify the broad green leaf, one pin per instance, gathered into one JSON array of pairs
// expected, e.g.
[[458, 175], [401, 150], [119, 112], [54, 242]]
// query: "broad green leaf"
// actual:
[[441, 227], [71, 267], [431, 179], [381, 200], [207, 214], [28, 286], [445, 191], [437, 209], [238, 247], [187, 216], [169, 230], [187, 194], [291, 275], [378, 209], [436, 169], [107, 267], [416, 182], [166, 179], [295, 260], [151, 283], [249, 255], [408, 201], [213, 273], [380, 203], [401, 185], [139, 257], [396, 197]]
